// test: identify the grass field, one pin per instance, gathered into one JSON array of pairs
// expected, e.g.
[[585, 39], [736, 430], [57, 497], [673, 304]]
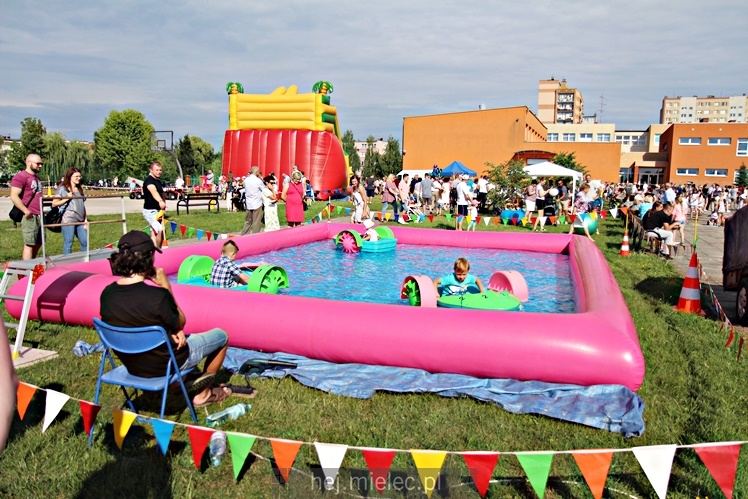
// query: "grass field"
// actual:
[[694, 391]]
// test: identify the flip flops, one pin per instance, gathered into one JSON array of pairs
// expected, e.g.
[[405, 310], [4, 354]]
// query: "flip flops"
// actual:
[[217, 394], [200, 383]]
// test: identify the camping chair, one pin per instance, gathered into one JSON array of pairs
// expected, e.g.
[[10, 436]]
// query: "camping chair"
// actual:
[[137, 340]]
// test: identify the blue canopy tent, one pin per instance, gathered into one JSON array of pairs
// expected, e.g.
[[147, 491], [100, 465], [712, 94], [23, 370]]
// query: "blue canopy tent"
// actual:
[[457, 168]]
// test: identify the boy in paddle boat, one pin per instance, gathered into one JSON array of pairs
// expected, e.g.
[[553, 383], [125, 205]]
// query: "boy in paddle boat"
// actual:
[[459, 282], [225, 273]]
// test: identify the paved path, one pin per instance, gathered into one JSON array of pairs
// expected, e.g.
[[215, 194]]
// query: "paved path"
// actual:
[[100, 206]]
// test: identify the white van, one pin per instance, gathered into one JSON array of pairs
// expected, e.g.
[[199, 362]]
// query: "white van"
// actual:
[[413, 173]]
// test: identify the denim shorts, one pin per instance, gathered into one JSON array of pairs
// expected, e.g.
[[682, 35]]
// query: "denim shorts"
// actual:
[[203, 344]]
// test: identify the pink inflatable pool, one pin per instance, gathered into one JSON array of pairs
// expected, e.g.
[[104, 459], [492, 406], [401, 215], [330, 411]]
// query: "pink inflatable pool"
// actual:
[[596, 345]]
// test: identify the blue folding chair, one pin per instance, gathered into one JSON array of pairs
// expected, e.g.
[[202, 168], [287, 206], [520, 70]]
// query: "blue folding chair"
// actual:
[[135, 340]]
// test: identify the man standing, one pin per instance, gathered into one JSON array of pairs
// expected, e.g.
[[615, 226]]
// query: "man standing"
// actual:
[[253, 186], [370, 187], [563, 199], [463, 200], [154, 203], [25, 192], [669, 193], [482, 192], [426, 192]]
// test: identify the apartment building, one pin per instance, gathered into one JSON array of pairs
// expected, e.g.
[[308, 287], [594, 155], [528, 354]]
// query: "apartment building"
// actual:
[[709, 109], [378, 145], [559, 104]]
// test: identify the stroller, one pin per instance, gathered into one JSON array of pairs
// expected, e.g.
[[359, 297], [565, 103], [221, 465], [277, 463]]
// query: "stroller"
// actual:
[[239, 200], [413, 211]]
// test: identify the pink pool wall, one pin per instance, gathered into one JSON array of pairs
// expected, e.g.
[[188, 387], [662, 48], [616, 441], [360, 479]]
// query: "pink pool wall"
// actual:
[[596, 345]]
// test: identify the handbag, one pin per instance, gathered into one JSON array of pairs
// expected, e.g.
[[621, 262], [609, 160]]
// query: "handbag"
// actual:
[[53, 217], [15, 214]]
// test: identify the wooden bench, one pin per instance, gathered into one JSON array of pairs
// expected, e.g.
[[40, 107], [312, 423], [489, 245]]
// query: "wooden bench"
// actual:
[[199, 199]]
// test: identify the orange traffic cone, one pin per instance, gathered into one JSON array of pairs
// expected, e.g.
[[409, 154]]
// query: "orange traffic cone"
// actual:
[[690, 293], [625, 245], [164, 244]]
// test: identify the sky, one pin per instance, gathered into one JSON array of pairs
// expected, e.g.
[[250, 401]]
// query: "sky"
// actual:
[[70, 63]]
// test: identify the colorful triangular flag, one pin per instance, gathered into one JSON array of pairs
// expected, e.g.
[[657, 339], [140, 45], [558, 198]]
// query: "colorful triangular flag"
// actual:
[[379, 462], [122, 420], [284, 452], [537, 466], [55, 401], [657, 462], [429, 465], [481, 466], [594, 467], [173, 226], [24, 394], [182, 229], [209, 235], [722, 462], [190, 232], [162, 429], [199, 234], [240, 445], [89, 411], [330, 458], [486, 221], [199, 438]]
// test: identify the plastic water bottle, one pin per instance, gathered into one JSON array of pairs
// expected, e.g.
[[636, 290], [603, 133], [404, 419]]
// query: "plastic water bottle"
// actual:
[[228, 414], [217, 447]]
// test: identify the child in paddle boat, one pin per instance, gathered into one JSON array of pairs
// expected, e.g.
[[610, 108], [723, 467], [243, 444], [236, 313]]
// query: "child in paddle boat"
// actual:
[[371, 234], [459, 282], [225, 273]]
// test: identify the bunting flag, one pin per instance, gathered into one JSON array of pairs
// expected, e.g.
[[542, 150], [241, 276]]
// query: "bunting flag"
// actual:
[[486, 221], [537, 466], [553, 220], [182, 229], [224, 236], [594, 467], [562, 219], [614, 212], [624, 210], [429, 465], [209, 235], [477, 220], [199, 439], [199, 234], [431, 217], [387, 216], [215, 236], [190, 232], [656, 461], [55, 401], [572, 218], [481, 466], [284, 452], [147, 230], [240, 445], [162, 430], [722, 462], [109, 246], [449, 216], [330, 458], [603, 215], [122, 422], [89, 411], [379, 462], [24, 394], [347, 211], [338, 209], [592, 215], [729, 339], [503, 220], [173, 226]]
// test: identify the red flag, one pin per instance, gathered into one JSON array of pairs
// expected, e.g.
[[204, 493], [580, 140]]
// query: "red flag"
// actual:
[[379, 462], [732, 336], [89, 411], [199, 438], [182, 229], [604, 214], [477, 220], [722, 463], [572, 218], [481, 465], [431, 217], [404, 216], [209, 234]]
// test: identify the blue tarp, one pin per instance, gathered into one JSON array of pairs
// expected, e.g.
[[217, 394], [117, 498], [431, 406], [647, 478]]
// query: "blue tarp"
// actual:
[[457, 168], [609, 407]]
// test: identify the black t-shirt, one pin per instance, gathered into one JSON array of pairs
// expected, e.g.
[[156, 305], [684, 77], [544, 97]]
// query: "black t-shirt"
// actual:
[[149, 202], [140, 304], [656, 219]]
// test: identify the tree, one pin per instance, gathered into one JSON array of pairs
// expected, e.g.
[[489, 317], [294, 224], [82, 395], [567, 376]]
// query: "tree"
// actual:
[[80, 156], [349, 148], [567, 159], [509, 180], [186, 156], [54, 163], [392, 159], [122, 145], [742, 179], [203, 153], [32, 141]]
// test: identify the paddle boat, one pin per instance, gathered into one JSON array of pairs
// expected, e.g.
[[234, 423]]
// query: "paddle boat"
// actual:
[[350, 241], [263, 278]]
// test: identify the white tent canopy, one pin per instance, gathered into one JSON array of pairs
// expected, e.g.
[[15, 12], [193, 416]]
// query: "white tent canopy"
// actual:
[[548, 169]]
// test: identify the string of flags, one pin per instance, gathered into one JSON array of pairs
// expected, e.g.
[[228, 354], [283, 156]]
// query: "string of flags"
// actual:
[[725, 322], [720, 458]]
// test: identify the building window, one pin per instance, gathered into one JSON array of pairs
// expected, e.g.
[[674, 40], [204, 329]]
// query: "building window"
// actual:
[[716, 172], [603, 137], [657, 139], [569, 137], [585, 137], [693, 141], [691, 172], [641, 140], [719, 141], [552, 137], [742, 147]]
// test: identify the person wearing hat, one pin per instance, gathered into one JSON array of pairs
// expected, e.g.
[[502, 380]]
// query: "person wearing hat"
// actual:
[[371, 234], [132, 302]]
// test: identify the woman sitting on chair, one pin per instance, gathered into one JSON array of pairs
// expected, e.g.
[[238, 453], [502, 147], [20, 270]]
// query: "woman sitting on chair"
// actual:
[[131, 302]]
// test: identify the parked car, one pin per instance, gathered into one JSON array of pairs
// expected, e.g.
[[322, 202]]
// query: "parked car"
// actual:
[[735, 262]]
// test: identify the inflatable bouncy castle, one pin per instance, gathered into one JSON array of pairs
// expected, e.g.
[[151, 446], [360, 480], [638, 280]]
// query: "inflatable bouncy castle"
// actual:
[[284, 128]]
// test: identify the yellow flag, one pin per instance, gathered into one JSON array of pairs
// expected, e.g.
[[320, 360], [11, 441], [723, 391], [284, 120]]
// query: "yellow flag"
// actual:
[[122, 422], [387, 216], [429, 464]]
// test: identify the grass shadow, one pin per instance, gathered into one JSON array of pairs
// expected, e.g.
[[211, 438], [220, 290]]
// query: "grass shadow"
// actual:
[[666, 289]]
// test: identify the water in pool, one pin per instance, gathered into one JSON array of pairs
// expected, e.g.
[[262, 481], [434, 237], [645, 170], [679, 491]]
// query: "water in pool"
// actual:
[[321, 270]]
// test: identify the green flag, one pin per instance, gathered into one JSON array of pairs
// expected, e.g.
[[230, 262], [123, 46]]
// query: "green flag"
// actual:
[[240, 445], [537, 467]]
